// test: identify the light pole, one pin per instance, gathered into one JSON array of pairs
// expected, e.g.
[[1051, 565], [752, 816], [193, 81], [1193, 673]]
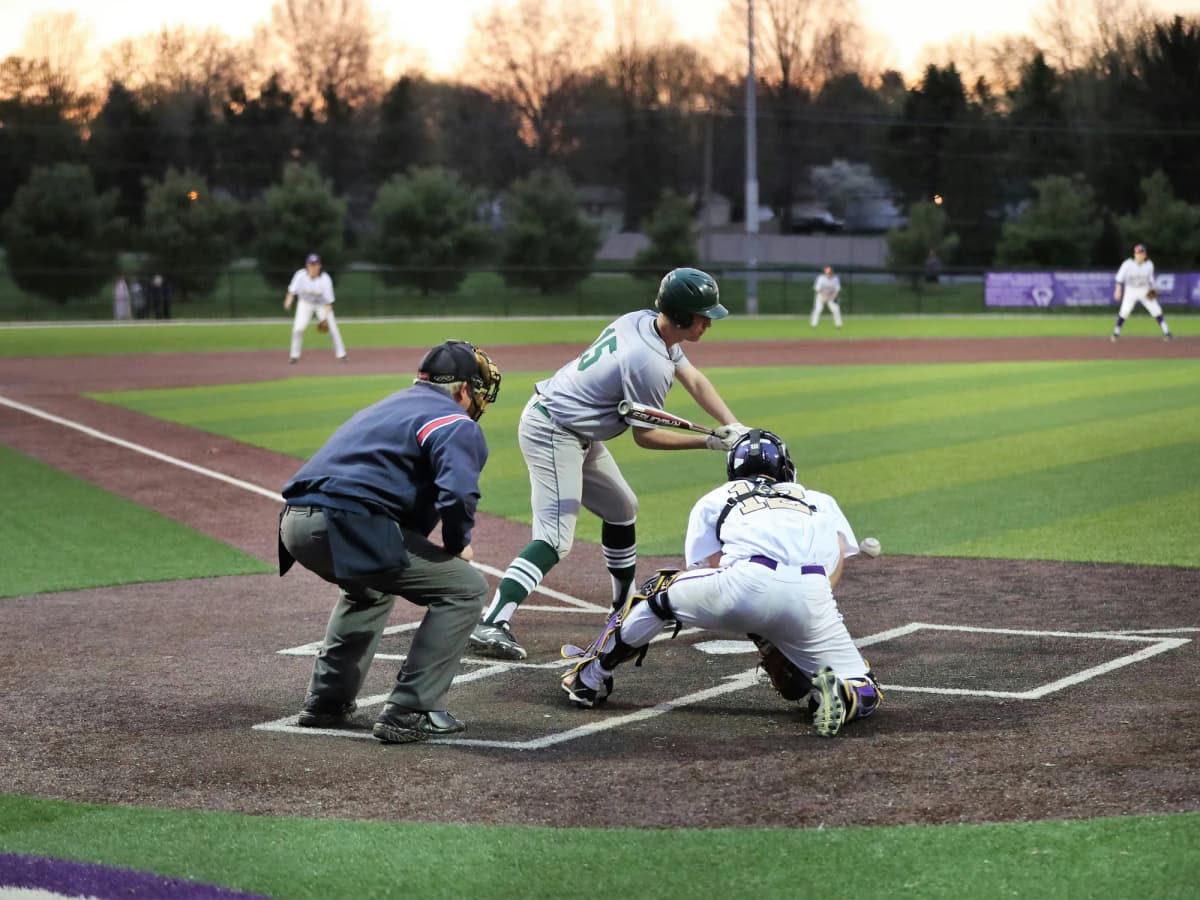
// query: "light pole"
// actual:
[[751, 170]]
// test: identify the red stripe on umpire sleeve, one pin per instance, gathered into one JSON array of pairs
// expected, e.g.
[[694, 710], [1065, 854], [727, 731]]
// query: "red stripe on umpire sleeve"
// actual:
[[430, 427]]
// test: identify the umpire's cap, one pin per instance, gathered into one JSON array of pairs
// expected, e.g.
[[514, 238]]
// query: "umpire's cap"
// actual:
[[452, 361]]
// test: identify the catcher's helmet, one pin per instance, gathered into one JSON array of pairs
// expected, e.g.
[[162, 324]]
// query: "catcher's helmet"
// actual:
[[686, 293], [760, 454], [453, 361]]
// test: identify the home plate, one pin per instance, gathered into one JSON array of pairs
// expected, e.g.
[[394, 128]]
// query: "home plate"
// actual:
[[725, 648]]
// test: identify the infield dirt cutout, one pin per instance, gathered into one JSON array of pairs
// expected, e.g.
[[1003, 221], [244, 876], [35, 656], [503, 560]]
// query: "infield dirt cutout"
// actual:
[[1031, 690]]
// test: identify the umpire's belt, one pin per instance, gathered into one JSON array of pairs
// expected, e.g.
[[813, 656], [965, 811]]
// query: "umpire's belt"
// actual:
[[772, 564]]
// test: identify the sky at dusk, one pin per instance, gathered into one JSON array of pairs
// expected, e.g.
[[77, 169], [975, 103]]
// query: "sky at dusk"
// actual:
[[439, 29]]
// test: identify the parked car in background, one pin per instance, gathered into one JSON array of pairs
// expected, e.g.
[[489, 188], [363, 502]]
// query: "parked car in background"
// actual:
[[810, 219]]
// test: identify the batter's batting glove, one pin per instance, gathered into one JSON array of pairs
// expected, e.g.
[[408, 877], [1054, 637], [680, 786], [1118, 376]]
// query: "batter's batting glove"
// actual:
[[724, 437]]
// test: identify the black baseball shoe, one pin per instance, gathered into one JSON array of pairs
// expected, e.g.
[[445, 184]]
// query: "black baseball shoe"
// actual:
[[582, 696], [319, 712], [397, 725]]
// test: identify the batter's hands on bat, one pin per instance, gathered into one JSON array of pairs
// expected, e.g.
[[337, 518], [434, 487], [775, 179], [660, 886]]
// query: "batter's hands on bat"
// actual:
[[724, 437]]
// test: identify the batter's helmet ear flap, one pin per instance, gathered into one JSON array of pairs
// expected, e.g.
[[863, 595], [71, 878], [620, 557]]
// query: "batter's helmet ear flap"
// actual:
[[686, 293]]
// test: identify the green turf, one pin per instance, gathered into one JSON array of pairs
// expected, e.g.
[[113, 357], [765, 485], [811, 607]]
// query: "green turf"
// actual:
[[1145, 857], [1052, 460], [151, 337], [108, 540]]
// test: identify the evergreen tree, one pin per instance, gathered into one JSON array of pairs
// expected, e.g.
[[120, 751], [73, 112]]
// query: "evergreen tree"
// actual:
[[426, 224], [546, 241], [188, 232], [298, 216], [61, 234], [1059, 228], [672, 237]]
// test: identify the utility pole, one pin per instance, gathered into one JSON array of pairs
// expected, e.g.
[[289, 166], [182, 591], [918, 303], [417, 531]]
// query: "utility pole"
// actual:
[[751, 169], [707, 198]]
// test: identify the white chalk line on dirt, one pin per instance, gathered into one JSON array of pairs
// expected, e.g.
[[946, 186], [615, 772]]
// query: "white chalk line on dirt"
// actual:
[[246, 486]]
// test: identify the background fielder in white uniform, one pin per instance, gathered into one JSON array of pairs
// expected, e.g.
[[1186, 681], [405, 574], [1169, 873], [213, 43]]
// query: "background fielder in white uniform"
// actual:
[[763, 555], [1135, 281], [314, 291], [562, 433], [826, 290]]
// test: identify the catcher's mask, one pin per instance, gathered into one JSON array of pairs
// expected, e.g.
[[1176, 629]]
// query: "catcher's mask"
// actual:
[[760, 454], [686, 293], [454, 361]]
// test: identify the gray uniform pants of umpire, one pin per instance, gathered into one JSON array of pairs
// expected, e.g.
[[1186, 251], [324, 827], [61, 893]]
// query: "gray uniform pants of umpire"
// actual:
[[450, 589]]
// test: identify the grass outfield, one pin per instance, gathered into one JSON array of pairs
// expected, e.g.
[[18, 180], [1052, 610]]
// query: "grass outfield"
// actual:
[[1145, 857], [183, 337], [111, 540], [1068, 459]]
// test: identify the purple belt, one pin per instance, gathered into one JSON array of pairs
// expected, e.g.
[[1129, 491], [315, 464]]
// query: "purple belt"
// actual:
[[771, 564]]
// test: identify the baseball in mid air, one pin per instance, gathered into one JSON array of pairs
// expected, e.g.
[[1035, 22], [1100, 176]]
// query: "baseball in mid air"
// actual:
[[870, 546]]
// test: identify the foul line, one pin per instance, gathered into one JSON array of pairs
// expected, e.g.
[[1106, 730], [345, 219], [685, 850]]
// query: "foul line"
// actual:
[[245, 485]]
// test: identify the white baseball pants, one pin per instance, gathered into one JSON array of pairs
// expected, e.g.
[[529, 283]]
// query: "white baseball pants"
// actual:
[[305, 312], [820, 301], [1130, 299], [796, 612]]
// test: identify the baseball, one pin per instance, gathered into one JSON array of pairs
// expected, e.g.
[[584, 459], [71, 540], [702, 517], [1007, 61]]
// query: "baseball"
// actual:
[[870, 546]]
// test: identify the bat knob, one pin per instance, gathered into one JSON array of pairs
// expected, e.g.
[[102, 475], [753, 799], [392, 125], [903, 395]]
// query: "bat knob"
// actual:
[[623, 408]]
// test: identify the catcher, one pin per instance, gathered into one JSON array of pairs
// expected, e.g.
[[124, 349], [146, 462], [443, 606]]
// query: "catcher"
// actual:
[[763, 556]]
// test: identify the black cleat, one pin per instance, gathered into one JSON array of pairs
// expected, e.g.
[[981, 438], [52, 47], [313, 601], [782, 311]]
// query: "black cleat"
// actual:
[[397, 725]]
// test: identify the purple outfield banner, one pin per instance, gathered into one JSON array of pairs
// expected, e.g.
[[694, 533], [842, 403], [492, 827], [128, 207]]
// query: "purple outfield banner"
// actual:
[[1043, 289]]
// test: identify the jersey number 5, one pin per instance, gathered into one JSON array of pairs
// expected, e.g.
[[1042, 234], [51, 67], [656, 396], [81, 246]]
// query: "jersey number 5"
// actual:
[[607, 342]]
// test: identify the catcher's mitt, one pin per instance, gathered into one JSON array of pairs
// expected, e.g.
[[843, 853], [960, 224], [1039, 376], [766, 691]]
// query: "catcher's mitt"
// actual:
[[1152, 294], [791, 683], [323, 326]]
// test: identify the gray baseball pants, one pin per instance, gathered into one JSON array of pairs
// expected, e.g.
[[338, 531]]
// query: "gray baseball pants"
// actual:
[[451, 590]]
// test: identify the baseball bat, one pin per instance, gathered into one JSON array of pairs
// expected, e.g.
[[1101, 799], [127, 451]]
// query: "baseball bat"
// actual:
[[659, 417]]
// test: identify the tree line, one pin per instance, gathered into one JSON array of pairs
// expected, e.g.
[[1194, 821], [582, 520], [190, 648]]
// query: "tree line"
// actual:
[[1022, 153]]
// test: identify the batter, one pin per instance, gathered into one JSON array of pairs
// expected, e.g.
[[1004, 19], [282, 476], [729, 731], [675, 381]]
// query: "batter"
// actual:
[[566, 422]]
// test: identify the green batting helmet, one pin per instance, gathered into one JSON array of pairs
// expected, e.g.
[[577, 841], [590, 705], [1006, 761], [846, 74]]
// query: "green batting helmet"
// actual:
[[686, 293]]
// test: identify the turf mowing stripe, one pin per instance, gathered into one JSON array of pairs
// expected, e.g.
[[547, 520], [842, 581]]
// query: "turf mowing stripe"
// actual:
[[990, 518], [895, 475], [1077, 534]]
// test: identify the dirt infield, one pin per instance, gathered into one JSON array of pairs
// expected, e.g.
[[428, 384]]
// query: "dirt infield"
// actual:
[[1013, 706]]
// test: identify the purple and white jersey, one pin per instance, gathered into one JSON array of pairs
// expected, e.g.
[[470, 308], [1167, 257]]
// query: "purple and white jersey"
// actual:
[[788, 524], [827, 286], [317, 291], [1137, 277], [628, 361]]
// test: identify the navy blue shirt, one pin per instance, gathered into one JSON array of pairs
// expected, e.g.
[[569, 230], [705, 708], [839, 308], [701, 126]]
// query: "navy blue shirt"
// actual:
[[414, 456]]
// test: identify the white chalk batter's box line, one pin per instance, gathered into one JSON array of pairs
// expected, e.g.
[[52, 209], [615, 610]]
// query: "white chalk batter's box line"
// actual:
[[740, 681]]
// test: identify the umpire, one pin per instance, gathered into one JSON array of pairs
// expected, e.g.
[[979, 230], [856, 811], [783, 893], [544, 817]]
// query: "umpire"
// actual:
[[358, 514]]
